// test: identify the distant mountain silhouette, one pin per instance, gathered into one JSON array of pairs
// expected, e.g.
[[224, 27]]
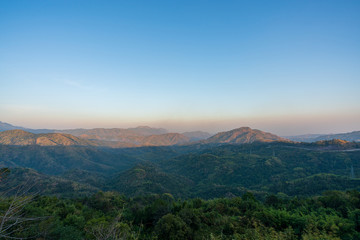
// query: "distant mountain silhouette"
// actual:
[[197, 135], [243, 135], [147, 131], [6, 126], [303, 137], [350, 136], [164, 139]]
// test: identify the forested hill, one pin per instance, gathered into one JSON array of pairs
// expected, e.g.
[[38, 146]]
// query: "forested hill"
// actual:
[[243, 135]]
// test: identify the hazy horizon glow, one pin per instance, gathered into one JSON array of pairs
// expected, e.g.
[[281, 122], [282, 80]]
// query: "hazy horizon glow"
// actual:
[[279, 66], [281, 125]]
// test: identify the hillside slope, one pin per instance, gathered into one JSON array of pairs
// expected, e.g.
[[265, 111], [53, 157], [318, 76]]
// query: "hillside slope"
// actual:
[[145, 179], [43, 184], [58, 159], [21, 137]]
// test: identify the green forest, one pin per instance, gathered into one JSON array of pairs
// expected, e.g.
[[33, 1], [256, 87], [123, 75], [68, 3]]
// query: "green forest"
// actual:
[[109, 215]]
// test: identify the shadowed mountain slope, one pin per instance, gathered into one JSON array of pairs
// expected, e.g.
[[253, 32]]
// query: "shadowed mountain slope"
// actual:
[[58, 159], [145, 179], [267, 166], [45, 184]]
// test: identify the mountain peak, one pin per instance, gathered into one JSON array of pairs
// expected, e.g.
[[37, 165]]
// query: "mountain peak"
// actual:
[[244, 135]]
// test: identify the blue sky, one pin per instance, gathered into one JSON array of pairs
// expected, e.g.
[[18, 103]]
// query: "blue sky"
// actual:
[[289, 67]]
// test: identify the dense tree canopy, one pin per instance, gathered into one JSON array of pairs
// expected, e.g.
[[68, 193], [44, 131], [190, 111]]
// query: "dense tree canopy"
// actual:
[[333, 215]]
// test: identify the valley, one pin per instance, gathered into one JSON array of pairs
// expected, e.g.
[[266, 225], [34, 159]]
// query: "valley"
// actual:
[[226, 164]]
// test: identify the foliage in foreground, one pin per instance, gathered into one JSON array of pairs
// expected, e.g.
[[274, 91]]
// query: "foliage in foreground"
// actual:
[[108, 215]]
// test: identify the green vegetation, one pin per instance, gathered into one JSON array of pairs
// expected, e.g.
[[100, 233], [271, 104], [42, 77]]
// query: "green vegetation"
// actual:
[[292, 169], [145, 179], [334, 215], [199, 170], [55, 160], [46, 185]]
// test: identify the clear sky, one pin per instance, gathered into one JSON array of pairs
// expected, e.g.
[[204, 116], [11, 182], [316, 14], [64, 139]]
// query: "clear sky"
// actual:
[[288, 67]]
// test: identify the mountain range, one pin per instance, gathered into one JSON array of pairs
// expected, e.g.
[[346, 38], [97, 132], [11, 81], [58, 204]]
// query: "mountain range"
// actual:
[[135, 137], [110, 137], [21, 137], [140, 136]]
